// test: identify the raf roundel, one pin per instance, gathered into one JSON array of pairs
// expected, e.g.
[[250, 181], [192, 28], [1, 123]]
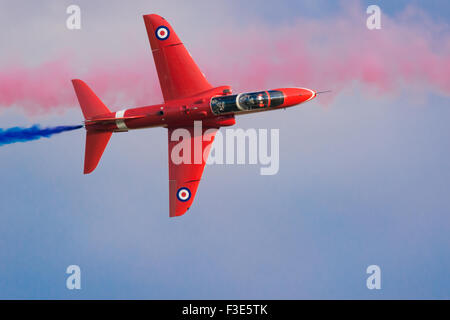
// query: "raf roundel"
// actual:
[[183, 194], [162, 33]]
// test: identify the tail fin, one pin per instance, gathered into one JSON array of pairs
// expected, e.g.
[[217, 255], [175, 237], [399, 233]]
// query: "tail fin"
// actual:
[[96, 141], [90, 104]]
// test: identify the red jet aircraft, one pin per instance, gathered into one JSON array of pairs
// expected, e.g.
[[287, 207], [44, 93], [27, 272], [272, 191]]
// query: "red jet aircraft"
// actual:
[[188, 97]]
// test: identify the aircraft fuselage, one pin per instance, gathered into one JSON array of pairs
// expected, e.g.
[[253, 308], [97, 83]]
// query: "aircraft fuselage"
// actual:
[[215, 108]]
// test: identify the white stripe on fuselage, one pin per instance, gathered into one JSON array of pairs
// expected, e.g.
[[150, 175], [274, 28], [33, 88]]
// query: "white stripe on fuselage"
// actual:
[[121, 123]]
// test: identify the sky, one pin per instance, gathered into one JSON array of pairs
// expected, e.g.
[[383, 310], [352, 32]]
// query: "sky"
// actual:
[[364, 172]]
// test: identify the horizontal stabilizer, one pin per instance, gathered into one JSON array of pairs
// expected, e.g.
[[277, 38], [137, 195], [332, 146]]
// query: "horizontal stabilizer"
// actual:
[[96, 142], [106, 120]]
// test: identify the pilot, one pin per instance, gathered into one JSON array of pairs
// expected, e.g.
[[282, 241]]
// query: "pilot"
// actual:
[[252, 101], [260, 99], [218, 106], [221, 105]]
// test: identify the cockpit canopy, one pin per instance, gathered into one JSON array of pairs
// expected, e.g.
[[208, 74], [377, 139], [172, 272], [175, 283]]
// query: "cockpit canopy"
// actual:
[[255, 100], [246, 102]]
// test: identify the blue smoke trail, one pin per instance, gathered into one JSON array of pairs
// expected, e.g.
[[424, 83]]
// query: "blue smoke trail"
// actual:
[[18, 134]]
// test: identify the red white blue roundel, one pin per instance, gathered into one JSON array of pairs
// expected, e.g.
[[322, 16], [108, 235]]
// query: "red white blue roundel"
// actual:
[[162, 33], [183, 194]]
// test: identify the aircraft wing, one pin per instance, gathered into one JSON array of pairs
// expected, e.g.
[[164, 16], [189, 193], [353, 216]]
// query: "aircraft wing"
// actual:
[[179, 75], [185, 177]]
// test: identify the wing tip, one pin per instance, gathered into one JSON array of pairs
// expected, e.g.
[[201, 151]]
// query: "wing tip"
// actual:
[[173, 213]]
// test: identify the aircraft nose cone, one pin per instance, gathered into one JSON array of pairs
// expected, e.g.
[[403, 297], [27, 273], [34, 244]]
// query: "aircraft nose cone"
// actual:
[[304, 94], [308, 93], [293, 96]]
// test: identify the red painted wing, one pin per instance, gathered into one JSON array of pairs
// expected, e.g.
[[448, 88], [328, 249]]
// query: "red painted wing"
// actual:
[[185, 177], [179, 75]]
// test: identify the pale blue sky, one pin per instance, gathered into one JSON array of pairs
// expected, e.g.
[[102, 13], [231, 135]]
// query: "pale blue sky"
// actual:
[[363, 181]]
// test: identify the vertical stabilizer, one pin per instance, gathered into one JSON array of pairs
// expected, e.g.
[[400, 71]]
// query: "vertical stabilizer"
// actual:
[[96, 141]]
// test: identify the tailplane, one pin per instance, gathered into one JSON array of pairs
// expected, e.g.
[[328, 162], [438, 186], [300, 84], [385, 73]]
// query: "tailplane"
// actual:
[[96, 141]]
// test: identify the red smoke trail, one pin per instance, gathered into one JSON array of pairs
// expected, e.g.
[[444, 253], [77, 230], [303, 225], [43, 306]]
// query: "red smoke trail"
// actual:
[[410, 52], [47, 87]]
